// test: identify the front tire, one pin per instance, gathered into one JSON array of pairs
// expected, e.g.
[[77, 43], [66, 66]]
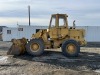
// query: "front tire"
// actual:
[[35, 47], [70, 48]]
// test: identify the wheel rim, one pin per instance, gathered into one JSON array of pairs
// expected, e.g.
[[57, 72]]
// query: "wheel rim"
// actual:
[[71, 48], [34, 47]]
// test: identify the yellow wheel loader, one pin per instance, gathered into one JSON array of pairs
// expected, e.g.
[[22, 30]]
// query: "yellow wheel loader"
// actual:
[[58, 35]]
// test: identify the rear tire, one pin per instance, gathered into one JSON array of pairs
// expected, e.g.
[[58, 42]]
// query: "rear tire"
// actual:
[[70, 48], [35, 47]]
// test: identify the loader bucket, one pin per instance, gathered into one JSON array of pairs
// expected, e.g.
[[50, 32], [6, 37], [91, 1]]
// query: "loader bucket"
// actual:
[[18, 47]]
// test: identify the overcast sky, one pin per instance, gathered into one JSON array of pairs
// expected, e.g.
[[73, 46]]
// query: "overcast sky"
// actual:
[[85, 12]]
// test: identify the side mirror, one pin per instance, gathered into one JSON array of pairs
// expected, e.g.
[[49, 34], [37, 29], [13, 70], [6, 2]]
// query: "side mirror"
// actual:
[[74, 24]]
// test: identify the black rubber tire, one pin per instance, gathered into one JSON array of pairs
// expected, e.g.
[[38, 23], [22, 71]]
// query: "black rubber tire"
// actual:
[[65, 44], [41, 45]]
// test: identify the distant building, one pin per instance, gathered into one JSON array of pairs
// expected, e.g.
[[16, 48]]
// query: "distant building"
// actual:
[[92, 32], [21, 31], [1, 29]]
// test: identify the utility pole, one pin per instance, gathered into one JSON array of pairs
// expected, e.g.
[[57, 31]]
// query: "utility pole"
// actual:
[[29, 14], [17, 23]]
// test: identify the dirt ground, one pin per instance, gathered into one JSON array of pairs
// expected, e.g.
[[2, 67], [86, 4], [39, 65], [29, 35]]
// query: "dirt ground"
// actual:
[[50, 63]]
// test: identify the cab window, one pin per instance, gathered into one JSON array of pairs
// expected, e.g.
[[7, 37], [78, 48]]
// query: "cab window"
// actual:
[[53, 22], [61, 22]]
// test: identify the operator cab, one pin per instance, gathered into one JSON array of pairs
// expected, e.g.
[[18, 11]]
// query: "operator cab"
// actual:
[[58, 27], [58, 21]]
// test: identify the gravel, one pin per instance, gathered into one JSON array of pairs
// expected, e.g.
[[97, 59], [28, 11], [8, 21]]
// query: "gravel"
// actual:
[[50, 63]]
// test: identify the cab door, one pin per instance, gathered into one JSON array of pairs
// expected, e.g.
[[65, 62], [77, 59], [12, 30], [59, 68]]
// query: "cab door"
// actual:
[[63, 28], [53, 28]]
